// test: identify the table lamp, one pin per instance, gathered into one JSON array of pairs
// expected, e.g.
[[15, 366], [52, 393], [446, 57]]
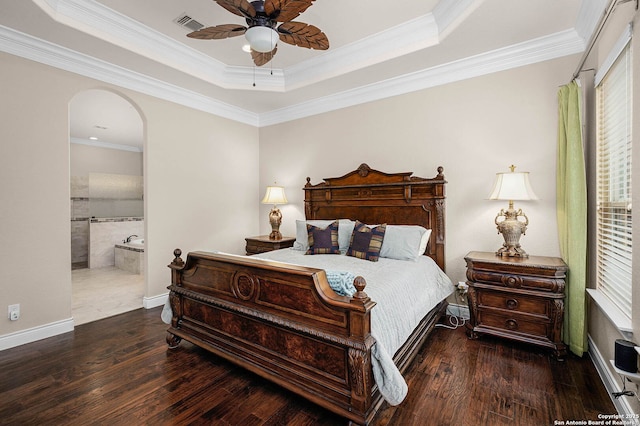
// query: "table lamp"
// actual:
[[512, 186], [275, 195]]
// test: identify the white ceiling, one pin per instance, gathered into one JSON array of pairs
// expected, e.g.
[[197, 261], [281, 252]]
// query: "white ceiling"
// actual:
[[103, 118], [377, 49]]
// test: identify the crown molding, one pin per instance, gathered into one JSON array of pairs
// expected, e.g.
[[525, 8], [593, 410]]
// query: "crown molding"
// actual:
[[416, 34], [537, 50], [96, 19], [449, 14], [104, 23], [521, 54], [100, 21], [32, 48]]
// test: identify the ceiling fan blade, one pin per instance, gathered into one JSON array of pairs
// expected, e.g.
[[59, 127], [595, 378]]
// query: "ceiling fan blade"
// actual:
[[238, 7], [218, 32], [285, 10], [260, 58], [303, 35]]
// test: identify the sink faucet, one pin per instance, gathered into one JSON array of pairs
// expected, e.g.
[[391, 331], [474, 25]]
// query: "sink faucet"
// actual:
[[128, 240]]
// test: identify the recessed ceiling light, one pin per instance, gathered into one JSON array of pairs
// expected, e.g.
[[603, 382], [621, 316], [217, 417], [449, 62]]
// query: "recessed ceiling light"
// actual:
[[246, 48], [93, 138]]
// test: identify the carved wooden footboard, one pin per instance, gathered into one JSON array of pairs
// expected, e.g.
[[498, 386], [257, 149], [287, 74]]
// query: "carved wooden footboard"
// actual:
[[282, 322]]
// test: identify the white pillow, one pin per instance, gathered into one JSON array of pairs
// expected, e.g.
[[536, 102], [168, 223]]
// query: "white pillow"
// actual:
[[424, 242], [345, 228], [404, 242]]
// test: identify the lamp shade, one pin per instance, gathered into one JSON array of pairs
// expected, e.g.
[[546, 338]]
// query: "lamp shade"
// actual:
[[512, 186], [274, 195], [262, 39]]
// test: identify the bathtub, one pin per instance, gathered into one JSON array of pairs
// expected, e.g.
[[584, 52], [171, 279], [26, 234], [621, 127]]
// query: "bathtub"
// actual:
[[137, 243], [130, 256]]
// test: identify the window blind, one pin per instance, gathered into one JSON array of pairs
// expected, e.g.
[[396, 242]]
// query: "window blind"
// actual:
[[614, 229]]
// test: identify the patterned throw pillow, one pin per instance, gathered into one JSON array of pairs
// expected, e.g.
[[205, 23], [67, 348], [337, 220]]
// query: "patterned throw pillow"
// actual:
[[323, 241], [366, 242]]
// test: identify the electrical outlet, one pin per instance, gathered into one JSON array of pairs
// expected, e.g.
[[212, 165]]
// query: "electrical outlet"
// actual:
[[462, 287], [14, 312]]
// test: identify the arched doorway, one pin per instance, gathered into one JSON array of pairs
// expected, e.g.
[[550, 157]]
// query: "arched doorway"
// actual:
[[106, 138]]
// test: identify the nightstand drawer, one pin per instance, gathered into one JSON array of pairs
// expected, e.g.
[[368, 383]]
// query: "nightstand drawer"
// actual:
[[514, 302], [513, 324], [513, 280]]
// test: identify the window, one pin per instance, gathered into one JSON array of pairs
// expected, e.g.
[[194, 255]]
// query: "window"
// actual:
[[614, 227]]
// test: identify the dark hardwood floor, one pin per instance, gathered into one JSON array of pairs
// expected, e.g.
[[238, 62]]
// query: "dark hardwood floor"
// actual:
[[119, 371]]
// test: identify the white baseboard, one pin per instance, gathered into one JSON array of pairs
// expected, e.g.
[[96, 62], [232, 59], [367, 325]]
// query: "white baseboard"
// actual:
[[31, 335], [34, 334], [611, 385], [154, 301]]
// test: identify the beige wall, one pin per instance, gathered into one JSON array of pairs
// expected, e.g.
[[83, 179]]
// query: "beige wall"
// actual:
[[474, 128], [201, 187], [34, 211]]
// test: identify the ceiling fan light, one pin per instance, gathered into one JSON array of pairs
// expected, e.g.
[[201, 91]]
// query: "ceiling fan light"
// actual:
[[262, 39]]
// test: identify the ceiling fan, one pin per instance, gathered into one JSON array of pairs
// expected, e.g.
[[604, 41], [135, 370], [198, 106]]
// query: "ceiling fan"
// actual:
[[262, 32]]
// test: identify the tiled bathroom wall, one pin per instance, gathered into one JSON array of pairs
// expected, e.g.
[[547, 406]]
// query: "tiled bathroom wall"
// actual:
[[113, 201], [79, 221]]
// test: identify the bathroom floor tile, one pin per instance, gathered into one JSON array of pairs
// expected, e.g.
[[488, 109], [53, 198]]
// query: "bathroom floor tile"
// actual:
[[104, 292]]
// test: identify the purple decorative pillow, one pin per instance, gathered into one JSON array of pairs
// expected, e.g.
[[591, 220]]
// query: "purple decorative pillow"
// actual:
[[366, 242], [323, 241]]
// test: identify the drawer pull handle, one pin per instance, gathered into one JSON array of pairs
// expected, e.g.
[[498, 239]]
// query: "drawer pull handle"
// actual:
[[512, 281], [512, 303], [511, 324]]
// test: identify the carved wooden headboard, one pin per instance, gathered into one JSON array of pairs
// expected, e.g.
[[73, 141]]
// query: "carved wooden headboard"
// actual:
[[374, 197]]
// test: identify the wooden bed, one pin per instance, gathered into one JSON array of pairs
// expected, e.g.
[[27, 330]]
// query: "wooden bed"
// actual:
[[284, 322]]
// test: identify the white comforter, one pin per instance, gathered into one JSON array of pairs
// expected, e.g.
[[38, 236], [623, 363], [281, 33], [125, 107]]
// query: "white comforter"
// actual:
[[404, 291]]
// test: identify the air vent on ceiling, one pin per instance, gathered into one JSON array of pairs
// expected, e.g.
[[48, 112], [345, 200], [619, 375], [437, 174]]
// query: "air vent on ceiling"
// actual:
[[185, 20]]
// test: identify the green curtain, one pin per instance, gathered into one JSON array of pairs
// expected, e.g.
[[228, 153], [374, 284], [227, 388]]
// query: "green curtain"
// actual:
[[571, 204]]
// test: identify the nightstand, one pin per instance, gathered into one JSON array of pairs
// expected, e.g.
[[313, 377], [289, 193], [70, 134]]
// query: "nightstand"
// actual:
[[516, 298], [263, 244]]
